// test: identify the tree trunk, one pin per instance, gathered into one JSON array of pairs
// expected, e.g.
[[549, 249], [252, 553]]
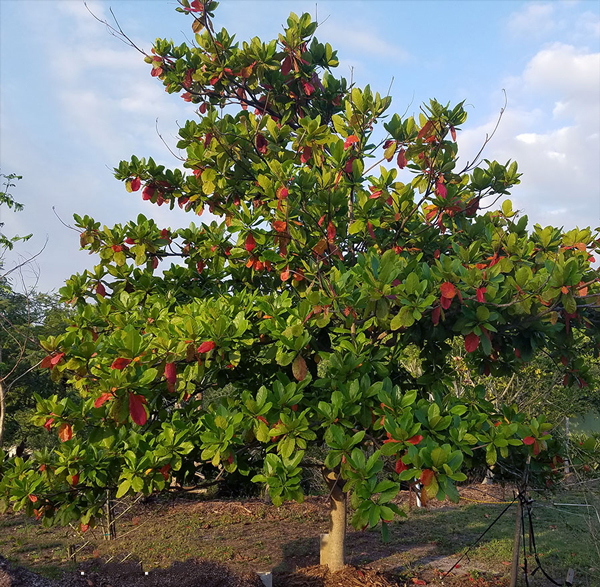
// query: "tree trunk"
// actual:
[[333, 545], [111, 528]]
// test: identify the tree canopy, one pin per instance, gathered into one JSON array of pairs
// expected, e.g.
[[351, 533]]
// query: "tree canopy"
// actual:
[[286, 321]]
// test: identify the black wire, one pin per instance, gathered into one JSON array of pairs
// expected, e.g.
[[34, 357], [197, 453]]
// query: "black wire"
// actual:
[[537, 558], [478, 539]]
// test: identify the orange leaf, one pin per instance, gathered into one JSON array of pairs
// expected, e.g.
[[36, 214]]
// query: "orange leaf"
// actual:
[[427, 127], [102, 399], [427, 477], [350, 140], [65, 432], [330, 231], [448, 290]]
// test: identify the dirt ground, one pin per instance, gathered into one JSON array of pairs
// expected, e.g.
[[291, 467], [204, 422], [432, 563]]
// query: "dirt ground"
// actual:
[[225, 543]]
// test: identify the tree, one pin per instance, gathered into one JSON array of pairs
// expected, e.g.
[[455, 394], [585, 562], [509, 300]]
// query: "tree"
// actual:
[[24, 318], [332, 258], [18, 344]]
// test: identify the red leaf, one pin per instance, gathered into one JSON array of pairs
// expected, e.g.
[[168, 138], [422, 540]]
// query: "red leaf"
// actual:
[[445, 302], [536, 448], [207, 346], [401, 160], [282, 192], [299, 368], [348, 166], [164, 471], [435, 315], [100, 290], [279, 225], [250, 242], [427, 477], [285, 274], [171, 372], [65, 432], [135, 184], [75, 479], [46, 364], [286, 65], [371, 231], [471, 342], [418, 581], [400, 466], [137, 409], [350, 141], [415, 439], [55, 359], [308, 87], [48, 424], [453, 133], [148, 192], [425, 130], [85, 528], [200, 266], [480, 294], [448, 290], [261, 144], [120, 363], [102, 399], [32, 498], [306, 154], [330, 232], [440, 190], [528, 440]]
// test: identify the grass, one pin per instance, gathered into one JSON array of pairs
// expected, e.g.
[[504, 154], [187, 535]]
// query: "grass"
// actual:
[[251, 535]]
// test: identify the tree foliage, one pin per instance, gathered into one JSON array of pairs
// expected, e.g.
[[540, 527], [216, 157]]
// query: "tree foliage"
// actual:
[[329, 254]]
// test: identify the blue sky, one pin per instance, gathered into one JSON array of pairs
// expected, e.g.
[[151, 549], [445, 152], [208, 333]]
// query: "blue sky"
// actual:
[[74, 101]]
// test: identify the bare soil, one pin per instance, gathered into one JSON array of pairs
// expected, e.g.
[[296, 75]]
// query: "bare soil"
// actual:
[[219, 543]]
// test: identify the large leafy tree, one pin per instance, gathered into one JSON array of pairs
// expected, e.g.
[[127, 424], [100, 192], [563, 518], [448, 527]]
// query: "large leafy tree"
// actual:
[[331, 258]]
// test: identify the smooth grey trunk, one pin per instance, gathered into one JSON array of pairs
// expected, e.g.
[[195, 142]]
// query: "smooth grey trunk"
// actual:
[[514, 569], [333, 545]]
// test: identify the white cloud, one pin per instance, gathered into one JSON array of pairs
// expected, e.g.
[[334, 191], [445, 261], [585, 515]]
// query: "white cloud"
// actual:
[[564, 19], [361, 41], [535, 19], [557, 147]]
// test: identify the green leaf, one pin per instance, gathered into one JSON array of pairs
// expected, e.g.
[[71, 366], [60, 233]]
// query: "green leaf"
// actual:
[[123, 488]]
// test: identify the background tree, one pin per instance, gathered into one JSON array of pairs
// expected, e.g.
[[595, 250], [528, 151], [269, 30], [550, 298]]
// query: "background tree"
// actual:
[[24, 318], [333, 255]]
